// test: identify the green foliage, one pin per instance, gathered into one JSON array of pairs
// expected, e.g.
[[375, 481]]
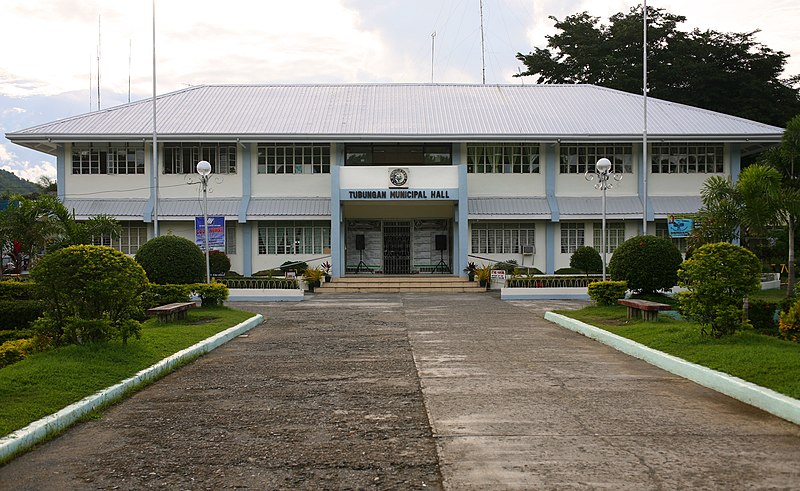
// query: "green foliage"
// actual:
[[509, 265], [607, 292], [297, 267], [89, 283], [22, 290], [790, 323], [568, 271], [11, 184], [647, 263], [163, 294], [13, 334], [587, 260], [170, 259], [762, 316], [718, 277], [685, 67], [211, 295], [19, 349], [219, 263], [19, 314]]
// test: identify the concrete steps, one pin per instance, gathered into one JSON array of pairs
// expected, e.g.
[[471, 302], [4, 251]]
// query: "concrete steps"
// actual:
[[419, 283]]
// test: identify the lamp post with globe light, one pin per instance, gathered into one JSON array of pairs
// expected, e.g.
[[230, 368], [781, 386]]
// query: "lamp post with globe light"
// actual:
[[204, 169], [603, 171]]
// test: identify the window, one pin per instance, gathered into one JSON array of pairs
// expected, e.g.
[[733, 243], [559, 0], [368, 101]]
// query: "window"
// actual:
[[398, 154], [571, 237], [662, 230], [502, 237], [103, 158], [131, 237], [182, 158], [291, 158], [507, 158], [294, 237], [578, 159], [687, 158], [615, 235], [230, 237]]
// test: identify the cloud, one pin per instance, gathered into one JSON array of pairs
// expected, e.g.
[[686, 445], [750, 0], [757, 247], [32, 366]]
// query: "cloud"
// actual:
[[25, 169]]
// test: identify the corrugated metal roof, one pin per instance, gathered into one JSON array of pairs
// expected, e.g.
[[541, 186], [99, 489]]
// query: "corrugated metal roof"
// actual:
[[570, 207], [289, 207], [397, 111], [509, 207], [193, 207], [669, 205], [118, 208]]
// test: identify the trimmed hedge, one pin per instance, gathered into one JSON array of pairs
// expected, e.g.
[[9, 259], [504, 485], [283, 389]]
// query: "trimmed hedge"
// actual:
[[587, 260], [648, 263], [170, 259], [762, 316], [19, 314], [607, 292], [23, 290]]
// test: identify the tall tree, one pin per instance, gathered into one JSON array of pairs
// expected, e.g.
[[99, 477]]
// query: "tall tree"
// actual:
[[727, 72]]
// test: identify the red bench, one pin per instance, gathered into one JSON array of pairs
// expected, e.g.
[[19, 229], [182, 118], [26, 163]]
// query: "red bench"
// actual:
[[646, 309]]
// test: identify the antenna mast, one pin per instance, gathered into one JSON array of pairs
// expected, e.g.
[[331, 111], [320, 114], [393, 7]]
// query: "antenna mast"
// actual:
[[433, 48], [129, 71], [483, 49], [98, 62]]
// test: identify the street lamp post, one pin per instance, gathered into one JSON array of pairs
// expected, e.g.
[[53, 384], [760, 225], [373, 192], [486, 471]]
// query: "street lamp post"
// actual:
[[204, 169], [603, 171]]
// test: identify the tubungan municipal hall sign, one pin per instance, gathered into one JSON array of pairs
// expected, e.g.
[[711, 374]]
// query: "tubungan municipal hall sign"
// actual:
[[399, 194]]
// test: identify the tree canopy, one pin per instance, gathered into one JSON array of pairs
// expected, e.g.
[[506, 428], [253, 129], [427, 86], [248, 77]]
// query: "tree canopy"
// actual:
[[727, 72]]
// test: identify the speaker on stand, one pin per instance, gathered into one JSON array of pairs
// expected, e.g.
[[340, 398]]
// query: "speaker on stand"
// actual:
[[361, 244], [441, 246]]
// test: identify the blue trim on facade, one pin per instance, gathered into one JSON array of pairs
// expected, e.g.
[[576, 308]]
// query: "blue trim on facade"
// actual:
[[550, 248], [147, 215], [247, 179], [461, 241], [337, 224], [550, 180], [247, 242], [61, 172], [736, 161]]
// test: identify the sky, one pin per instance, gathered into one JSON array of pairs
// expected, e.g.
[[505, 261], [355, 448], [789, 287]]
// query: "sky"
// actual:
[[49, 55]]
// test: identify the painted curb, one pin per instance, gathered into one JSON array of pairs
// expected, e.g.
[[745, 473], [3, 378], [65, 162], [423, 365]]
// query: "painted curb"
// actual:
[[567, 293], [265, 295], [770, 401], [37, 431]]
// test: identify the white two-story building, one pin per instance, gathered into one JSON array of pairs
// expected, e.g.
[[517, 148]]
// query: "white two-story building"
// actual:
[[394, 179]]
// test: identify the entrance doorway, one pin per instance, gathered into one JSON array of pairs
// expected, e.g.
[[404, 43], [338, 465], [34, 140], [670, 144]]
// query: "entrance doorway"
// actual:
[[397, 247]]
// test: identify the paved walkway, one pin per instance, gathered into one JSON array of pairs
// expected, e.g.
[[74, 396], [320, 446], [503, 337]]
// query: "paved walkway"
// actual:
[[514, 402]]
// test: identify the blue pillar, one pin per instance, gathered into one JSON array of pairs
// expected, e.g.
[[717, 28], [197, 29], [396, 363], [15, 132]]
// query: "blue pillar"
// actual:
[[550, 170], [337, 222], [247, 236], [247, 249], [462, 222], [61, 174]]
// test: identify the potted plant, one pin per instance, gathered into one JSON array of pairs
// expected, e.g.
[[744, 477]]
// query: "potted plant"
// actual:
[[312, 277], [470, 270], [484, 274], [326, 268]]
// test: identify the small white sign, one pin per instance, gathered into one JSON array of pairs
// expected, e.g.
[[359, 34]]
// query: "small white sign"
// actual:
[[291, 275], [498, 274]]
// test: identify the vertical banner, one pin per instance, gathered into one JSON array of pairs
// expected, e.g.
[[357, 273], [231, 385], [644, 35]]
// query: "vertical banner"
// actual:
[[216, 233]]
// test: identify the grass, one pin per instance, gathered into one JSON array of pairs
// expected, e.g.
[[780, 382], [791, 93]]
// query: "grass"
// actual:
[[47, 382], [774, 295], [763, 360]]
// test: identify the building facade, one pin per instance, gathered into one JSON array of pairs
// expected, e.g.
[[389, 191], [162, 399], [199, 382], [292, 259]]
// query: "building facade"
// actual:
[[394, 179]]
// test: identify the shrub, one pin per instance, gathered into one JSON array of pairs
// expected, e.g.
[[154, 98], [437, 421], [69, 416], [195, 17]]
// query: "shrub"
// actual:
[[172, 259], [219, 263], [89, 283], [790, 323], [14, 334], [568, 271], [22, 290], [647, 263], [163, 294], [587, 260], [718, 277], [509, 265], [19, 349], [762, 316], [607, 292], [297, 267], [210, 295], [19, 314]]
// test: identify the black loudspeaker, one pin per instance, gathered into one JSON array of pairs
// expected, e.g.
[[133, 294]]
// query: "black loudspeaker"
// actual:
[[441, 242], [361, 244]]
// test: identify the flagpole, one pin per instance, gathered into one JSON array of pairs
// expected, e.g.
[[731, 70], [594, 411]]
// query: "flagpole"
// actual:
[[155, 165], [644, 130]]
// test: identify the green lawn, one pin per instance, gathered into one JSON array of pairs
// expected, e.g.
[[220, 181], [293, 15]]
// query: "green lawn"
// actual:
[[763, 360], [47, 382]]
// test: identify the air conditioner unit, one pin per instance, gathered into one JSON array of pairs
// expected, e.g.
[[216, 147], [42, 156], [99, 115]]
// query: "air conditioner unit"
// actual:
[[528, 250]]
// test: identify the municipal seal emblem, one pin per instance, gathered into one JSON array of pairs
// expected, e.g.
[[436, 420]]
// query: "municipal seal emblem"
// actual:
[[398, 177]]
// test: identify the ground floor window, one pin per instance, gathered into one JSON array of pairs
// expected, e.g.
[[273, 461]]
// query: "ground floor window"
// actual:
[[230, 237], [294, 237], [572, 237], [502, 237], [662, 230], [615, 235], [132, 236]]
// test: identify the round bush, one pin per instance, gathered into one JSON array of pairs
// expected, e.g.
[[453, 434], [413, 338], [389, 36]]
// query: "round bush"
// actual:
[[586, 259], [172, 259], [647, 263], [219, 263]]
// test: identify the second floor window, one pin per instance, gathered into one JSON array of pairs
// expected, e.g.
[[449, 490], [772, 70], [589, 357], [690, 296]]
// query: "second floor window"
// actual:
[[182, 158], [107, 158], [683, 158], [579, 158], [294, 158], [507, 158]]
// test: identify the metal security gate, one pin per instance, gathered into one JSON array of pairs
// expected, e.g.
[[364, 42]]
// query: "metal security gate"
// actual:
[[397, 247]]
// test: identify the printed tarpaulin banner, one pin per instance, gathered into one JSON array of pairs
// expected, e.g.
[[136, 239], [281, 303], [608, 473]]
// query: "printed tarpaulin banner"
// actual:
[[216, 233], [680, 227]]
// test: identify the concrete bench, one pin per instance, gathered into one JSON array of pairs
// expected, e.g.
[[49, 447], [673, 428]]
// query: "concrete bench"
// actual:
[[643, 308], [170, 311]]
